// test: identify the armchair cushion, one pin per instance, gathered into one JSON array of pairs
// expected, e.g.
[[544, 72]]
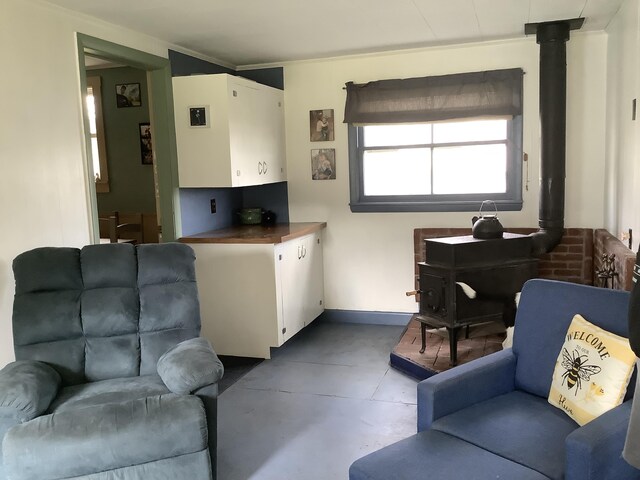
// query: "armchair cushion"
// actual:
[[517, 426], [107, 437], [115, 390], [190, 365], [27, 389]]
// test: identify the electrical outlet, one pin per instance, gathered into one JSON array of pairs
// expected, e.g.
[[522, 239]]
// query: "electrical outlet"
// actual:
[[213, 205]]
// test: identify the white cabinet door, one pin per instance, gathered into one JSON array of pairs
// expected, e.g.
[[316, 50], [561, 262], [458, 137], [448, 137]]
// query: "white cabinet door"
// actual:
[[314, 295], [245, 133], [302, 283], [272, 140]]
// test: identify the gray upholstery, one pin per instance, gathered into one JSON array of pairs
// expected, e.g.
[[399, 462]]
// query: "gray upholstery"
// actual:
[[26, 389], [190, 365], [84, 399]]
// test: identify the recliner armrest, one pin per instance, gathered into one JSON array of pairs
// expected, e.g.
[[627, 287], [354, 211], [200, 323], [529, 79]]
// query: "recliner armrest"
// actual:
[[190, 365], [465, 385], [594, 451], [27, 388]]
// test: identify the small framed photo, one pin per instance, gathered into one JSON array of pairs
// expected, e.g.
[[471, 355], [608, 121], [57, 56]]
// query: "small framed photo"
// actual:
[[323, 164], [321, 125], [199, 116], [128, 95], [146, 147]]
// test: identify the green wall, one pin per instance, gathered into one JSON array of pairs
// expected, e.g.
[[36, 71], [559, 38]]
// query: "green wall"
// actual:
[[131, 186]]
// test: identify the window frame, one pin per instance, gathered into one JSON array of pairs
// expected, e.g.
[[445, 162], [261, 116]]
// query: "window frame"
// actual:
[[511, 200], [102, 183]]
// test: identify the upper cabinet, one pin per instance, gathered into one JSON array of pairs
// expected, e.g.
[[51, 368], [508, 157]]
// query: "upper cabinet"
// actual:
[[229, 131]]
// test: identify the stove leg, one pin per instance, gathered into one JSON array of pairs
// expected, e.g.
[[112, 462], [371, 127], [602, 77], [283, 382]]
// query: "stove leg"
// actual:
[[453, 346], [423, 335]]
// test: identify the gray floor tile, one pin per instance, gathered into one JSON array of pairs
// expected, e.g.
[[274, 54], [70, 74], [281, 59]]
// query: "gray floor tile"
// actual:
[[396, 387], [342, 344], [327, 398], [320, 379], [269, 435]]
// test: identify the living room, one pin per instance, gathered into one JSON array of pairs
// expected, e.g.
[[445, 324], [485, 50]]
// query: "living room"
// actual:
[[368, 257]]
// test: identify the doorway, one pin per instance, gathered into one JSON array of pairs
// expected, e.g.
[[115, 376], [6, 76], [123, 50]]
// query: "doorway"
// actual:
[[158, 156]]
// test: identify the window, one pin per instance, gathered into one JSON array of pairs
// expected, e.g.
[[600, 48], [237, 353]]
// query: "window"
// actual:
[[466, 153], [96, 133]]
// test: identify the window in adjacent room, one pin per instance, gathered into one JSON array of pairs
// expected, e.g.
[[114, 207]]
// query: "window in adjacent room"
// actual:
[[436, 143], [96, 131]]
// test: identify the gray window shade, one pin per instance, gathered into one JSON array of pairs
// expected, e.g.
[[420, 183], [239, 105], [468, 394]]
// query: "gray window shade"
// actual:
[[429, 99]]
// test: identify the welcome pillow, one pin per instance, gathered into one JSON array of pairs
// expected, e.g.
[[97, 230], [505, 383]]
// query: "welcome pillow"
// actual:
[[592, 371]]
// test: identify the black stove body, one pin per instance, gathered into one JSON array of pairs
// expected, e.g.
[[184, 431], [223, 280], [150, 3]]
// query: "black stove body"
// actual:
[[495, 270]]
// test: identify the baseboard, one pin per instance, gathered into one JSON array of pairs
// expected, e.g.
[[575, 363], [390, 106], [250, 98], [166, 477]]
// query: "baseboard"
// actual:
[[365, 317]]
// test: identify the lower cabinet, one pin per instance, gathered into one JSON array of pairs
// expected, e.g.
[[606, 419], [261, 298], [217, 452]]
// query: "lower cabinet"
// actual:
[[257, 296]]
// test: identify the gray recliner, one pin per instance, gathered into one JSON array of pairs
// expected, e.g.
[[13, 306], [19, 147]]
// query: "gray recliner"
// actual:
[[111, 379]]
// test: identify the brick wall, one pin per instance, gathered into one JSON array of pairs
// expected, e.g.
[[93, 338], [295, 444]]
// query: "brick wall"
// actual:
[[571, 260]]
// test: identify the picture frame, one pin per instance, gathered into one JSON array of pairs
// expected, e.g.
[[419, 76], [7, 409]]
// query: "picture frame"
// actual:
[[199, 116], [128, 95], [321, 125], [146, 147], [323, 164]]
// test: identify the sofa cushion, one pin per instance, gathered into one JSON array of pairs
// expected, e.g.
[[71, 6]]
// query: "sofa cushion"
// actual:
[[592, 371], [518, 426], [117, 390], [99, 438], [436, 455]]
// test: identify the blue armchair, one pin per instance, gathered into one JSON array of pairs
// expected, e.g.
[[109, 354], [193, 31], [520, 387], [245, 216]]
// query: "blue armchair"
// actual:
[[490, 418], [111, 379]]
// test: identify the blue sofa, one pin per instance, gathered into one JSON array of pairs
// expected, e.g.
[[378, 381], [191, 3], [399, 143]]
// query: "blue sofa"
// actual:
[[490, 418], [111, 379]]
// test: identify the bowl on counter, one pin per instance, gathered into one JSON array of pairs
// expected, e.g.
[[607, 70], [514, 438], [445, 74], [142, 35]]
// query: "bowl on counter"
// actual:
[[250, 216]]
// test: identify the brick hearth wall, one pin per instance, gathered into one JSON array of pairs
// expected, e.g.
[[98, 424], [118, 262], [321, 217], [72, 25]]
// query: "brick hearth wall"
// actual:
[[571, 260]]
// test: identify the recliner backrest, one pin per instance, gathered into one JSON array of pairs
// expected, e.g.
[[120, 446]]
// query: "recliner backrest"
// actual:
[[545, 312], [105, 311]]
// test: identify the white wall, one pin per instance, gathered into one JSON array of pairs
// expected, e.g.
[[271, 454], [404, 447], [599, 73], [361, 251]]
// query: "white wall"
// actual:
[[622, 169], [43, 201], [369, 257]]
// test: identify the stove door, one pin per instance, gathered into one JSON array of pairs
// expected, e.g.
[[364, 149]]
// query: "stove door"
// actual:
[[433, 299]]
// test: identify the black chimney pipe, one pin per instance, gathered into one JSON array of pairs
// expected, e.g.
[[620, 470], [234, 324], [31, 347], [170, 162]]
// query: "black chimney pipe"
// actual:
[[552, 38]]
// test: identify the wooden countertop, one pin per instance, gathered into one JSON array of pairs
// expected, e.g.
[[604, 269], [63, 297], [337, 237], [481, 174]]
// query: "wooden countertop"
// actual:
[[278, 233]]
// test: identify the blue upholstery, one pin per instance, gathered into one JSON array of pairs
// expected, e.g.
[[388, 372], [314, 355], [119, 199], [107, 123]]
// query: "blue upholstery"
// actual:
[[84, 398], [493, 413]]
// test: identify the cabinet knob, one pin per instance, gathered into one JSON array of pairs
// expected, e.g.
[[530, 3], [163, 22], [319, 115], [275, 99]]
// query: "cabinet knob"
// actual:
[[237, 173], [264, 167], [260, 171]]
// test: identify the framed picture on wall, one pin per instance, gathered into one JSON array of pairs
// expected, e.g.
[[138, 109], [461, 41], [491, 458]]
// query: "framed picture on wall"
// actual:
[[323, 164], [146, 148], [321, 125], [199, 116], [128, 95]]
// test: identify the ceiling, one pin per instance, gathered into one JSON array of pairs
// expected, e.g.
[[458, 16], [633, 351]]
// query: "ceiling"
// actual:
[[250, 32]]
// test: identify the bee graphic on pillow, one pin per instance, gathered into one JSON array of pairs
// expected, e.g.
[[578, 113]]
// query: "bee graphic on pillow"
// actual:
[[576, 370]]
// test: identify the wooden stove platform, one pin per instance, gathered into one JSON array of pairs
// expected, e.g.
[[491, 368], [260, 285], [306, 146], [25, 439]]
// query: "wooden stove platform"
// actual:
[[406, 357]]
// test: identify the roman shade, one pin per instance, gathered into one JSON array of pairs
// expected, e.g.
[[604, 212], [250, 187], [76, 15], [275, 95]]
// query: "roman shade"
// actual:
[[437, 98]]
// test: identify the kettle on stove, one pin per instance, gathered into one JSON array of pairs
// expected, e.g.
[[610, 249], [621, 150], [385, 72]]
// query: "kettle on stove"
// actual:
[[486, 227]]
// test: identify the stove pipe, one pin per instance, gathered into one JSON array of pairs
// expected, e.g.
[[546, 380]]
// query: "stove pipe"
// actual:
[[552, 38]]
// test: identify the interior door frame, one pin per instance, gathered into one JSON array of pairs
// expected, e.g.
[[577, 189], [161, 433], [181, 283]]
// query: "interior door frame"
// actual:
[[162, 120]]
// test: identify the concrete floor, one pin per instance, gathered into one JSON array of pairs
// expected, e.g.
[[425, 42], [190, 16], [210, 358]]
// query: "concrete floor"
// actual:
[[326, 398]]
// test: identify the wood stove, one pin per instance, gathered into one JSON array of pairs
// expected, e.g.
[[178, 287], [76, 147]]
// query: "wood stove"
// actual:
[[495, 269]]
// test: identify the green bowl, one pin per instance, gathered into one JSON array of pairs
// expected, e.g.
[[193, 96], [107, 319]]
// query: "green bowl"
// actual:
[[250, 216]]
